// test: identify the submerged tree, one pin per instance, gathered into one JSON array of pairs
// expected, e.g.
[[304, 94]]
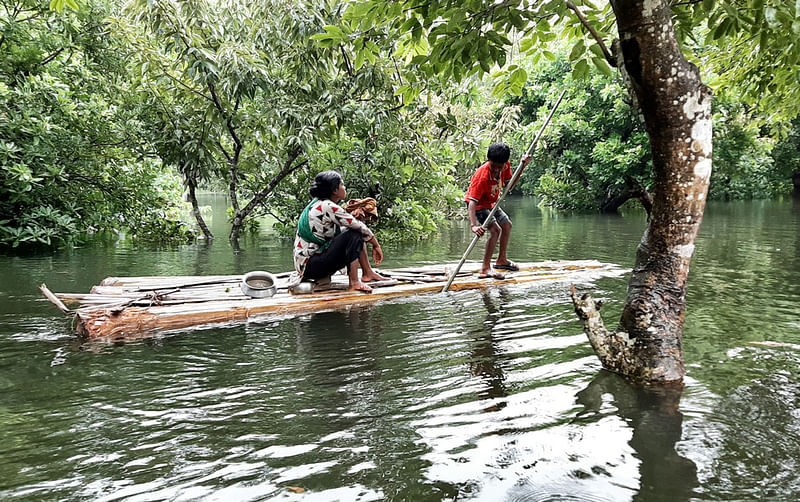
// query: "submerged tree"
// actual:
[[206, 68], [453, 39]]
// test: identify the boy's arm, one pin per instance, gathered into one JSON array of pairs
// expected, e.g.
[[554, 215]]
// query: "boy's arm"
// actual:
[[476, 228], [525, 160]]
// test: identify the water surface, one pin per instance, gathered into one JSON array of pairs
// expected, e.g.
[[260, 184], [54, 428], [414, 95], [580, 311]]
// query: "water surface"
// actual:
[[490, 395]]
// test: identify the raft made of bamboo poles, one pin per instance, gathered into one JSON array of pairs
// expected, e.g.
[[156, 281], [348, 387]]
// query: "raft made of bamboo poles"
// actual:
[[135, 307]]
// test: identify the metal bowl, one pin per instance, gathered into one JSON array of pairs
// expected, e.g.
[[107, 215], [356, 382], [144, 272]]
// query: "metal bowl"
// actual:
[[259, 284]]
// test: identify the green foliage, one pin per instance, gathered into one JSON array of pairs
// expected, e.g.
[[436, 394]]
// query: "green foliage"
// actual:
[[68, 151], [390, 159], [242, 92], [786, 155], [751, 48], [743, 167], [58, 5], [593, 145]]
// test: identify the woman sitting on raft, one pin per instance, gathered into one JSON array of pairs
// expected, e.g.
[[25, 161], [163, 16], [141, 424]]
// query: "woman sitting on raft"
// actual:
[[321, 247]]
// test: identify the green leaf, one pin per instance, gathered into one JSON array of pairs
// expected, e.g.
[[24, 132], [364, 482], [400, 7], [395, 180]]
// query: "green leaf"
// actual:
[[597, 51], [603, 66], [518, 77], [516, 20], [317, 36], [526, 44], [577, 51], [581, 70], [333, 29], [721, 29], [547, 37]]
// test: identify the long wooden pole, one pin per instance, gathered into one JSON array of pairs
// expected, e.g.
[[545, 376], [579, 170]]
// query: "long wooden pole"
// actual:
[[510, 184]]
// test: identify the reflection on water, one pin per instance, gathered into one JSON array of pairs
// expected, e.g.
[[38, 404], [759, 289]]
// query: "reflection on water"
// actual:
[[485, 355], [490, 395], [655, 420]]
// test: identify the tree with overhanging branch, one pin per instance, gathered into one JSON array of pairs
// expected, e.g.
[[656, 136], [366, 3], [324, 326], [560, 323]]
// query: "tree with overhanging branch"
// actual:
[[240, 93], [645, 41]]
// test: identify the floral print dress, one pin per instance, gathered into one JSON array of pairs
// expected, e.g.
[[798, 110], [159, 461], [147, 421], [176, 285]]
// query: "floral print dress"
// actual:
[[325, 218]]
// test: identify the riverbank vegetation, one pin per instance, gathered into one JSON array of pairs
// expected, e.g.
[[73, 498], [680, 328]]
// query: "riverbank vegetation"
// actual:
[[111, 111]]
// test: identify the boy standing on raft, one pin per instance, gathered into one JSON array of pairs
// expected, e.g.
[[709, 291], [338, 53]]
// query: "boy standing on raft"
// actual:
[[485, 187]]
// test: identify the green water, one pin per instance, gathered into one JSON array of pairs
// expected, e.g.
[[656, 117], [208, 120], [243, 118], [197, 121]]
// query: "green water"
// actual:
[[467, 395]]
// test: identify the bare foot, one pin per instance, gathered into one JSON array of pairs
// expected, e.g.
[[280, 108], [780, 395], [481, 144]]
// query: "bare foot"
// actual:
[[360, 286], [374, 277]]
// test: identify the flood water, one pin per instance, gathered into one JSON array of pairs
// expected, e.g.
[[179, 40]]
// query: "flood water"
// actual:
[[471, 395]]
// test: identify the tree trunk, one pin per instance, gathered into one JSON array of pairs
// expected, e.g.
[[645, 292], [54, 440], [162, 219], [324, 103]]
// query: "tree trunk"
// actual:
[[238, 219], [676, 109], [796, 183], [633, 190], [192, 184]]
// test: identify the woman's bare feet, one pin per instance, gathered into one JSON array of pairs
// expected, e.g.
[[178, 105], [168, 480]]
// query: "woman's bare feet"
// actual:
[[360, 286], [370, 277]]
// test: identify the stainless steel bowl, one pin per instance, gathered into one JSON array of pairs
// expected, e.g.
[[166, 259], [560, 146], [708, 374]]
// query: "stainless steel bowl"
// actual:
[[259, 284]]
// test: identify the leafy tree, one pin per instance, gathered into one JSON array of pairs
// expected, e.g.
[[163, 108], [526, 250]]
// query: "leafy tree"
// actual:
[[392, 158], [744, 168], [70, 162], [597, 154], [243, 94], [453, 39], [752, 49], [786, 156]]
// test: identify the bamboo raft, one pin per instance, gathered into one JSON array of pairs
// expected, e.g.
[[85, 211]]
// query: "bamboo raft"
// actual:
[[135, 307]]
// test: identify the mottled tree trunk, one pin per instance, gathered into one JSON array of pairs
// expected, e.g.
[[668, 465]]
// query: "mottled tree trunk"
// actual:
[[676, 109]]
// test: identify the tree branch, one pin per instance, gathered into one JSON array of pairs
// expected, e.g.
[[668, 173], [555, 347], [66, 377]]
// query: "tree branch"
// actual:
[[51, 57], [597, 38], [288, 169], [346, 61]]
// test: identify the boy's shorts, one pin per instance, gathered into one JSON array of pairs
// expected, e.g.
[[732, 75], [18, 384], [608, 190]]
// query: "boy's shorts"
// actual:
[[499, 216]]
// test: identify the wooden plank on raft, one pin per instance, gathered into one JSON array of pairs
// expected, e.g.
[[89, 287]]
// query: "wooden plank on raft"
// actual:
[[120, 308]]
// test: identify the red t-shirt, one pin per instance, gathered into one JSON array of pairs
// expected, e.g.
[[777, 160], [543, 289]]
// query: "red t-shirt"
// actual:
[[483, 189]]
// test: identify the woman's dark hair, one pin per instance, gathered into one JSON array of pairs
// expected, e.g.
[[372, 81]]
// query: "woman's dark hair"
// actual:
[[325, 183], [499, 152]]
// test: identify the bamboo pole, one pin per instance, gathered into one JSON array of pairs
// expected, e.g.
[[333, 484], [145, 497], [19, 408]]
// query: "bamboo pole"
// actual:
[[510, 184], [54, 299]]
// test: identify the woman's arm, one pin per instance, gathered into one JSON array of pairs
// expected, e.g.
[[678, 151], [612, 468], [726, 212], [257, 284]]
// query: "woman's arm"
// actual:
[[377, 252]]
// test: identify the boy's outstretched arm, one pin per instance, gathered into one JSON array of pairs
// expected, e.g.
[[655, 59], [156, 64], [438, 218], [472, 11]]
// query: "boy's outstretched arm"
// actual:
[[525, 161]]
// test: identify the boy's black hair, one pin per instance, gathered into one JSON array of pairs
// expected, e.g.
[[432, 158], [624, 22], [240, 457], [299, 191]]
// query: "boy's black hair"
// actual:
[[325, 183], [499, 152]]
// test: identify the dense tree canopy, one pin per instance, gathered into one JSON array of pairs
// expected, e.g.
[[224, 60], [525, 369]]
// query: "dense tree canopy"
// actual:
[[597, 154], [68, 133], [105, 109]]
